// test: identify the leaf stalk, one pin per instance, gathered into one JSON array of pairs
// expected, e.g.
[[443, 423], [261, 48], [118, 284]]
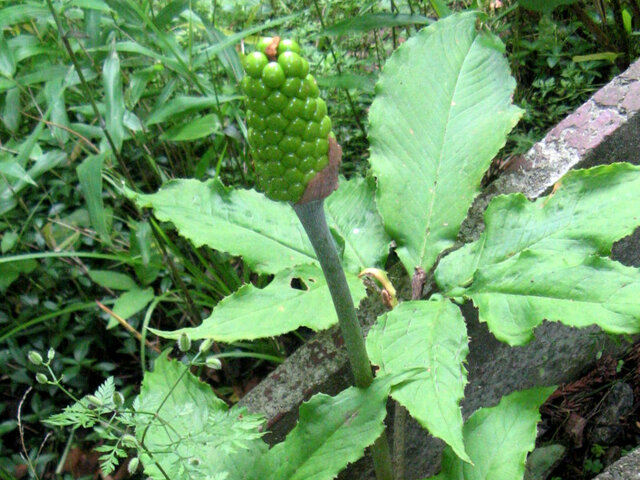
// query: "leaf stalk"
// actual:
[[313, 219]]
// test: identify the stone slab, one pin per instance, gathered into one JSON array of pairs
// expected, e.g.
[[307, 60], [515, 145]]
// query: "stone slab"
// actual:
[[603, 130], [627, 468]]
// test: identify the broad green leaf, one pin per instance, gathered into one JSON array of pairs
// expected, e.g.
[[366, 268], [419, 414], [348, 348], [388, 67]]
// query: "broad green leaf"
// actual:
[[544, 6], [586, 213], [515, 296], [7, 60], [278, 308], [113, 99], [266, 234], [193, 129], [370, 21], [183, 105], [112, 280], [430, 336], [90, 178], [498, 439], [442, 111], [331, 433], [190, 432], [130, 303], [351, 211]]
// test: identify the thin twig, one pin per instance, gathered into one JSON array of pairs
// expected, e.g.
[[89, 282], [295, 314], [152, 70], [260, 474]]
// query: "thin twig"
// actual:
[[21, 430], [127, 327]]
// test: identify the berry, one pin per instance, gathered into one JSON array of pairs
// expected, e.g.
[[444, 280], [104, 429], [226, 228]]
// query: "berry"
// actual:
[[288, 125], [254, 63], [273, 75], [288, 46]]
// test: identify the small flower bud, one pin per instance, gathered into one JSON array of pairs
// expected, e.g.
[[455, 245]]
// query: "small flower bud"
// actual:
[[118, 399], [94, 400], [42, 378], [213, 362], [205, 345], [129, 440], [133, 465], [184, 342], [34, 357], [50, 354]]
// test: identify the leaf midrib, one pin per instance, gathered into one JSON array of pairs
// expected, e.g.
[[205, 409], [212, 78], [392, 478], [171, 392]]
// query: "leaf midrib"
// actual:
[[440, 159]]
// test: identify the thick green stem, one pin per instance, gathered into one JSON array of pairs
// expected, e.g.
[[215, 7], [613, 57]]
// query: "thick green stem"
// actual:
[[313, 220]]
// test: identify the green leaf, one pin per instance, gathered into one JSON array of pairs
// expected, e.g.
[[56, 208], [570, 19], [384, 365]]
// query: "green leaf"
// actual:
[[440, 7], [114, 102], [112, 280], [183, 105], [194, 129], [278, 308], [54, 93], [23, 12], [588, 211], [130, 303], [169, 12], [442, 111], [7, 60], [351, 211], [90, 178], [11, 111], [544, 6], [266, 234], [331, 433], [9, 272], [9, 240], [183, 422], [515, 296], [370, 21], [498, 439], [11, 168], [348, 81], [430, 336]]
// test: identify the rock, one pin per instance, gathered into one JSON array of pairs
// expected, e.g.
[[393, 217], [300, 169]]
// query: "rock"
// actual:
[[627, 468], [542, 461], [618, 403]]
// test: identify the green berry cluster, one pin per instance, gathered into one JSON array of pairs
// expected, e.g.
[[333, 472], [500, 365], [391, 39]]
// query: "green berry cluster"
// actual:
[[288, 122]]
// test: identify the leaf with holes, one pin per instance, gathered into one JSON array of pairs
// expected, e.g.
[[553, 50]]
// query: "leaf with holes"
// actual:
[[278, 308]]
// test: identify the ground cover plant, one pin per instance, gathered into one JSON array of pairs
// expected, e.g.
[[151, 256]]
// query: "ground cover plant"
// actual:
[[432, 138], [139, 56]]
